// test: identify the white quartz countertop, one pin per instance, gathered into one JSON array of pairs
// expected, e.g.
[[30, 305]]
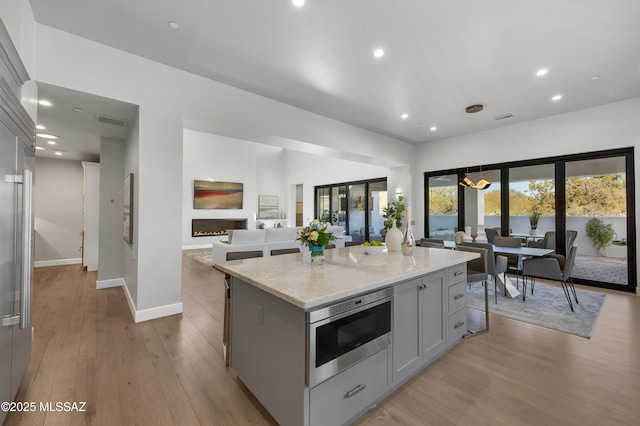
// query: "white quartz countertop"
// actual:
[[347, 272]]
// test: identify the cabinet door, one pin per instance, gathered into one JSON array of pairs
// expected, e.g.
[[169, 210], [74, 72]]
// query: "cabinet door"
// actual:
[[433, 321], [407, 349]]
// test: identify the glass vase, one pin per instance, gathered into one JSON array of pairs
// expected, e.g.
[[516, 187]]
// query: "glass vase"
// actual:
[[317, 255], [408, 242]]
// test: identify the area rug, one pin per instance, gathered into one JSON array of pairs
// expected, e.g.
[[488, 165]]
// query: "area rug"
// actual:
[[547, 307], [203, 256]]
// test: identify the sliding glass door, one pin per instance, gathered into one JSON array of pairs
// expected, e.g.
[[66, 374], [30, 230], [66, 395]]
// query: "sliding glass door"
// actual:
[[596, 207], [583, 199]]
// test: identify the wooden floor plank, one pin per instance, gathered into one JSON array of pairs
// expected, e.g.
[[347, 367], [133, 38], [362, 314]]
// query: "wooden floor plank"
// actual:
[[170, 370]]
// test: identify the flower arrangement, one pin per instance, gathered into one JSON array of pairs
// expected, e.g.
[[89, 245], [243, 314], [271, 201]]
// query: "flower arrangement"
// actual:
[[316, 234]]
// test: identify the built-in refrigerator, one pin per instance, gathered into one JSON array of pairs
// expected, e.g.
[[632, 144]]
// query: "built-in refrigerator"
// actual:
[[17, 164]]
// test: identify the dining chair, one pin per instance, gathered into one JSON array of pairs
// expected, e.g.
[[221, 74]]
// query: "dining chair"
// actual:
[[553, 267], [352, 243], [478, 270], [226, 331], [491, 233], [276, 252], [329, 246], [496, 264], [431, 242], [513, 262]]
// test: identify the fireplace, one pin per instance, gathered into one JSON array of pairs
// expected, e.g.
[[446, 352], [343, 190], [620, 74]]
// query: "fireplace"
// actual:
[[215, 227]]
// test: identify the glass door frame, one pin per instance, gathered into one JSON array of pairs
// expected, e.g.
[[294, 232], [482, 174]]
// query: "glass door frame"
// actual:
[[348, 195], [559, 163]]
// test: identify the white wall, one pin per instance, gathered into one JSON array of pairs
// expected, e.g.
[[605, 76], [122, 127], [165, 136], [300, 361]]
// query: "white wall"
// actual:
[[264, 170], [111, 241], [212, 157], [610, 126], [58, 214]]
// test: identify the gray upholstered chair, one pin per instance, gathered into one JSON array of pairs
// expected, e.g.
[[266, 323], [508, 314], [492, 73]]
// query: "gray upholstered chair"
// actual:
[[276, 252], [431, 242], [512, 259], [552, 267], [477, 270], [329, 246], [491, 234], [352, 243], [549, 240], [496, 265], [235, 255]]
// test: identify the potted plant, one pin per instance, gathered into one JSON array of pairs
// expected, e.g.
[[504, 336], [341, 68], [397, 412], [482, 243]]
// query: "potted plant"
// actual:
[[392, 221], [600, 233], [393, 211], [534, 218]]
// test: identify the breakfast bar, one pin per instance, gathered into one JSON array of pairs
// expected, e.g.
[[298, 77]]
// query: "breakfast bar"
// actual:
[[322, 344]]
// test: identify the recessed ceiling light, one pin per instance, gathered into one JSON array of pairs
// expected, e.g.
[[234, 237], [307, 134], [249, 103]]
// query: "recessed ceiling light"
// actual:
[[433, 128], [378, 53], [298, 3], [58, 153], [40, 148], [595, 77], [51, 142], [174, 25], [40, 127], [556, 98], [47, 136], [44, 102], [542, 72], [405, 115], [78, 109]]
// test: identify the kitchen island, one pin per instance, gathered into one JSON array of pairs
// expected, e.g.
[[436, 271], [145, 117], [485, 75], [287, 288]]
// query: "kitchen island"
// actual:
[[273, 341]]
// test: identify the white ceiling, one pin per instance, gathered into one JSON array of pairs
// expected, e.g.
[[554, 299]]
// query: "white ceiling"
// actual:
[[440, 55]]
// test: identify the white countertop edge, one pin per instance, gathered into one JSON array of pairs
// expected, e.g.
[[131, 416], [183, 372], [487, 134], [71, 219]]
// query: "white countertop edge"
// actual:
[[337, 295]]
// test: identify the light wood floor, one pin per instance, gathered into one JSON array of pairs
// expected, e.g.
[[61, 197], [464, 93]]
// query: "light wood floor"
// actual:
[[170, 371]]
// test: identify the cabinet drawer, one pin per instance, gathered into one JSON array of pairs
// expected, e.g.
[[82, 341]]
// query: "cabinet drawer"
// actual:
[[457, 296], [340, 398], [457, 325], [458, 273]]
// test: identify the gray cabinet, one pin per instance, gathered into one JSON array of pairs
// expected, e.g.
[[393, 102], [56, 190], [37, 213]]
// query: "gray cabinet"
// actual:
[[456, 303], [419, 328]]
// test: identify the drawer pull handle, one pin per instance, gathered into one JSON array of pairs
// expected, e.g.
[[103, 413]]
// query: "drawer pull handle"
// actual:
[[458, 325], [355, 390], [458, 273], [458, 296]]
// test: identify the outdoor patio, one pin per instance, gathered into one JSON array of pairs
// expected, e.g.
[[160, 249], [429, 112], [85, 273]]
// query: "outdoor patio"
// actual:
[[605, 269]]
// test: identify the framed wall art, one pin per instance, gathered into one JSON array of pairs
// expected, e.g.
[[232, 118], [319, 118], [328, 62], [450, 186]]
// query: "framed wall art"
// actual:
[[217, 195], [268, 207]]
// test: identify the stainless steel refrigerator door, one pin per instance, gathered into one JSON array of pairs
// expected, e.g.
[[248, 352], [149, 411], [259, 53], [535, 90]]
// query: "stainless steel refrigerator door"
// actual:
[[8, 254], [23, 287]]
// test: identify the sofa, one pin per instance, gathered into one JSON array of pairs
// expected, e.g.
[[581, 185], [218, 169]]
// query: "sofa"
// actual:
[[266, 240]]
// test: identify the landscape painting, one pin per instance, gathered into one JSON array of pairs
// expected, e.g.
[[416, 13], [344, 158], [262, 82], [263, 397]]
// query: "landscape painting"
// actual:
[[217, 195], [268, 207]]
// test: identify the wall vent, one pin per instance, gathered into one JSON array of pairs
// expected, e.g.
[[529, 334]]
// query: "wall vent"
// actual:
[[103, 119], [503, 116]]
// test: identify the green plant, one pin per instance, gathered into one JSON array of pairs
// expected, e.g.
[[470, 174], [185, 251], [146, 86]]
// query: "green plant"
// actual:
[[393, 210], [534, 218], [600, 233]]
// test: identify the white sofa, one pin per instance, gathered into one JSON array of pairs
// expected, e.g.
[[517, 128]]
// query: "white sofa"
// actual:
[[267, 240]]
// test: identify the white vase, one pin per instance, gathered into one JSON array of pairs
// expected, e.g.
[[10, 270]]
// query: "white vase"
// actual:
[[393, 239]]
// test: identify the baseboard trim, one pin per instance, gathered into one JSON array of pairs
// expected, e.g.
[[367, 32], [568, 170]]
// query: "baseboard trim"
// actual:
[[158, 312], [152, 313], [116, 282], [56, 262]]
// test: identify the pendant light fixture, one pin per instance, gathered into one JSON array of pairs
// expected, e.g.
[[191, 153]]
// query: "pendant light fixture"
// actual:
[[465, 181]]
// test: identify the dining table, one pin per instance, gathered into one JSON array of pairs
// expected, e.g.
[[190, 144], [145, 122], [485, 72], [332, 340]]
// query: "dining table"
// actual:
[[507, 286]]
